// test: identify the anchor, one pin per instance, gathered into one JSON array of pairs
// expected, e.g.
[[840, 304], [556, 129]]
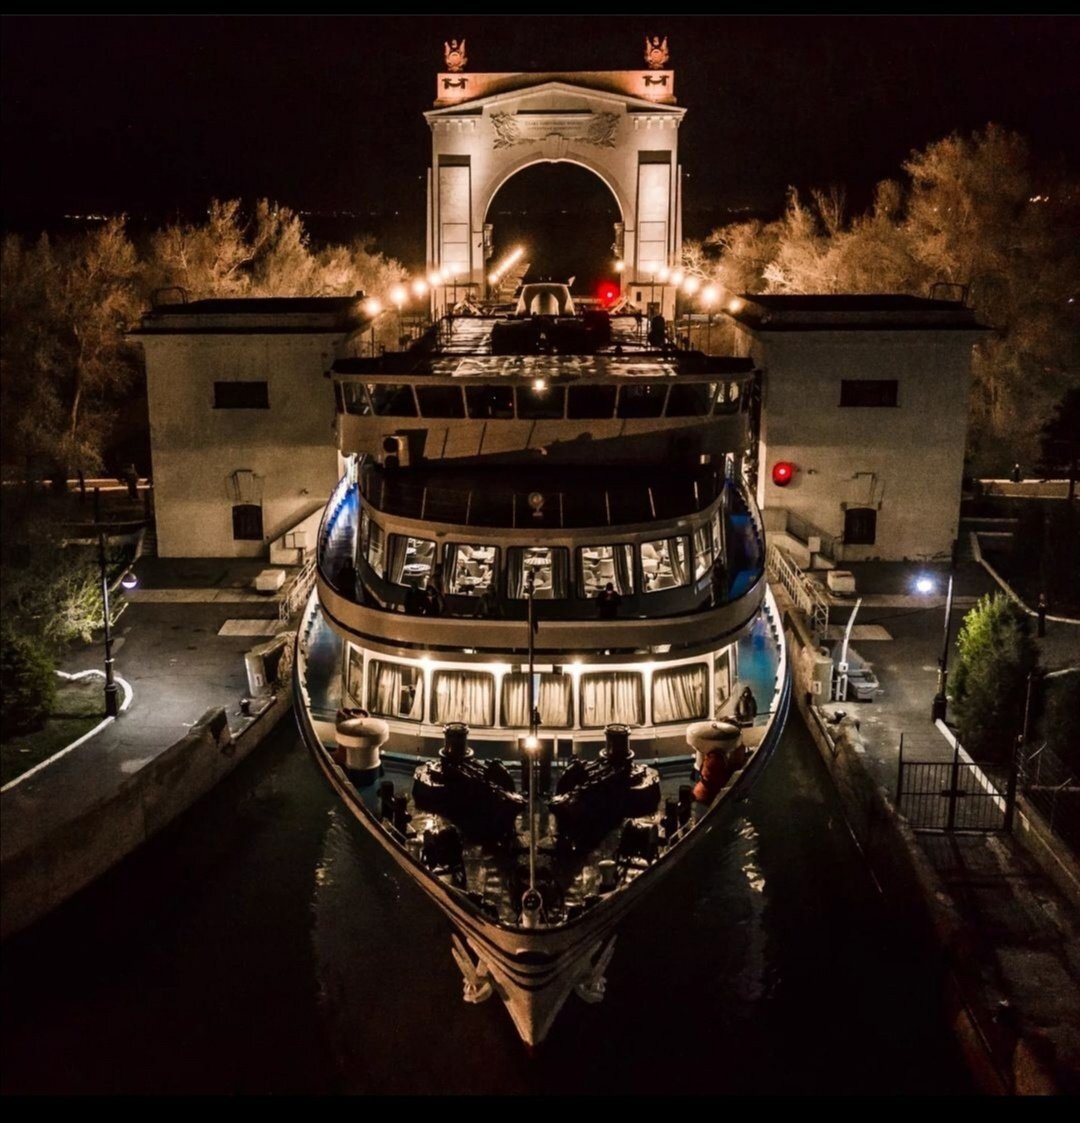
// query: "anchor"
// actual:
[[478, 982], [592, 985]]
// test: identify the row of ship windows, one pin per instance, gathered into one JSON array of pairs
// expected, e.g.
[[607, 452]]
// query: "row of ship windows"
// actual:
[[538, 402], [396, 690], [471, 568]]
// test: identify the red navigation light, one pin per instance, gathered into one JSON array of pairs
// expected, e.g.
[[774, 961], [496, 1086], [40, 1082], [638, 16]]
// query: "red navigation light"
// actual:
[[782, 473], [609, 293]]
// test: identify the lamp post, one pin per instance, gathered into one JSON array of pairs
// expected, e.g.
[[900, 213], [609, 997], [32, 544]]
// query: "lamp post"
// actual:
[[941, 702], [709, 296], [690, 287], [398, 295], [112, 705], [372, 307]]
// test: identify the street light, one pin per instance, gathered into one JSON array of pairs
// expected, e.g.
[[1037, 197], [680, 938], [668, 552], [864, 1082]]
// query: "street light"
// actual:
[[128, 581], [531, 901], [372, 307], [939, 706]]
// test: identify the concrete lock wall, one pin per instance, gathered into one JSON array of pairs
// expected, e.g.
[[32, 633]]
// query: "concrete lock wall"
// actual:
[[45, 874], [863, 456], [206, 460]]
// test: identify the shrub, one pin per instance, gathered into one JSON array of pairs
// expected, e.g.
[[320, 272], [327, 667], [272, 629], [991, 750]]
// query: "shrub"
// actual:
[[27, 683]]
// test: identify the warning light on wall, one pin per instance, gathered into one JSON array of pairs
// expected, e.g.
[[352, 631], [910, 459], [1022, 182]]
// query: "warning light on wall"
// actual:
[[782, 473], [609, 293]]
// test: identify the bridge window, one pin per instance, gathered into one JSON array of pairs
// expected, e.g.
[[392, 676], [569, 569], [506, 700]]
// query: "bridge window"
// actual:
[[471, 568], [664, 563], [680, 693], [591, 402], [440, 401], [552, 694], [642, 401], [601, 564], [490, 402], [395, 690], [727, 398], [392, 400], [612, 696], [467, 696], [690, 399], [355, 399], [410, 561], [540, 405], [372, 542], [549, 564]]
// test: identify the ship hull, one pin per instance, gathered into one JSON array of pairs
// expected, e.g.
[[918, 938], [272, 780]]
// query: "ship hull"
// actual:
[[534, 971]]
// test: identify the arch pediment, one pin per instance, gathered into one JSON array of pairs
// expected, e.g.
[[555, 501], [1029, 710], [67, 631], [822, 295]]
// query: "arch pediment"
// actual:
[[559, 93]]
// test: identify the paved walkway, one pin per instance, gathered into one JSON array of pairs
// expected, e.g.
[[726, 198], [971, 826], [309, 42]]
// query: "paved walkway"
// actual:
[[1028, 932], [178, 667]]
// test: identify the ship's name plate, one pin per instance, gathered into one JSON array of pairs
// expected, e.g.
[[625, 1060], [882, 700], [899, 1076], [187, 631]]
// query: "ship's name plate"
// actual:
[[592, 128]]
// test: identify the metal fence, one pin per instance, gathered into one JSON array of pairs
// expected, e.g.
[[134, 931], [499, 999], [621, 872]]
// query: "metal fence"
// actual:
[[1053, 789], [953, 792]]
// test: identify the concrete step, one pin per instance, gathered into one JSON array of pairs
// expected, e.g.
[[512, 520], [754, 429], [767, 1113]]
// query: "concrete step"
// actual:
[[820, 561]]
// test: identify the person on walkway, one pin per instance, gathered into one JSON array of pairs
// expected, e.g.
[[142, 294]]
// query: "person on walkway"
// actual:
[[432, 601], [746, 707], [607, 602], [1016, 475], [131, 478], [1040, 610]]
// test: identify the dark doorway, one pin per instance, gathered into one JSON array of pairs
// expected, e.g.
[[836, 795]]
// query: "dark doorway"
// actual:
[[564, 216], [247, 523]]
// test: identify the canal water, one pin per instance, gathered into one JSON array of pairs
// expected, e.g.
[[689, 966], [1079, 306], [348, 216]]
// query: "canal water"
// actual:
[[263, 944]]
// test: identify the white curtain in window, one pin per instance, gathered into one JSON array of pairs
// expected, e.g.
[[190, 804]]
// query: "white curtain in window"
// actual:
[[356, 676], [395, 690], [613, 697], [466, 696], [679, 694], [552, 700]]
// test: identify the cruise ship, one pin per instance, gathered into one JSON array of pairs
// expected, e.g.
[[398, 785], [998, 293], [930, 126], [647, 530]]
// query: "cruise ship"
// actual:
[[541, 657]]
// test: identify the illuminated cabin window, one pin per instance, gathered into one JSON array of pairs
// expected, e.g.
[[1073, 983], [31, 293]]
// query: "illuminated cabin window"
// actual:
[[410, 561], [354, 399], [590, 402], [721, 680], [355, 683], [703, 550], [372, 542], [680, 693], [392, 400], [612, 696], [471, 568], [467, 696], [690, 399], [553, 695], [664, 563], [875, 392], [395, 690], [541, 405], [550, 566], [490, 402], [641, 401], [440, 401], [241, 395], [603, 564]]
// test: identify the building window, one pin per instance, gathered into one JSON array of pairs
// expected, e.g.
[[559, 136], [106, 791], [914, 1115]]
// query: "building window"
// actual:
[[247, 522], [860, 526], [241, 395], [881, 392]]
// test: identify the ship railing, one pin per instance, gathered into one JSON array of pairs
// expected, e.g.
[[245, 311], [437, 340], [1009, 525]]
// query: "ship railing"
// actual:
[[298, 591]]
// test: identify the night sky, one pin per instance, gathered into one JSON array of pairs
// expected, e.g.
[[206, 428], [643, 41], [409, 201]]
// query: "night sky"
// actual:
[[155, 115]]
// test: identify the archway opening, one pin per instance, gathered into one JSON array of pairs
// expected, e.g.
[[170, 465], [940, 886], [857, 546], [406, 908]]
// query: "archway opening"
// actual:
[[564, 216]]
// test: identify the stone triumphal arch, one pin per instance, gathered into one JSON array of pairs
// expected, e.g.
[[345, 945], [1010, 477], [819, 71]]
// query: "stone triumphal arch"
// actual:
[[622, 125]]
